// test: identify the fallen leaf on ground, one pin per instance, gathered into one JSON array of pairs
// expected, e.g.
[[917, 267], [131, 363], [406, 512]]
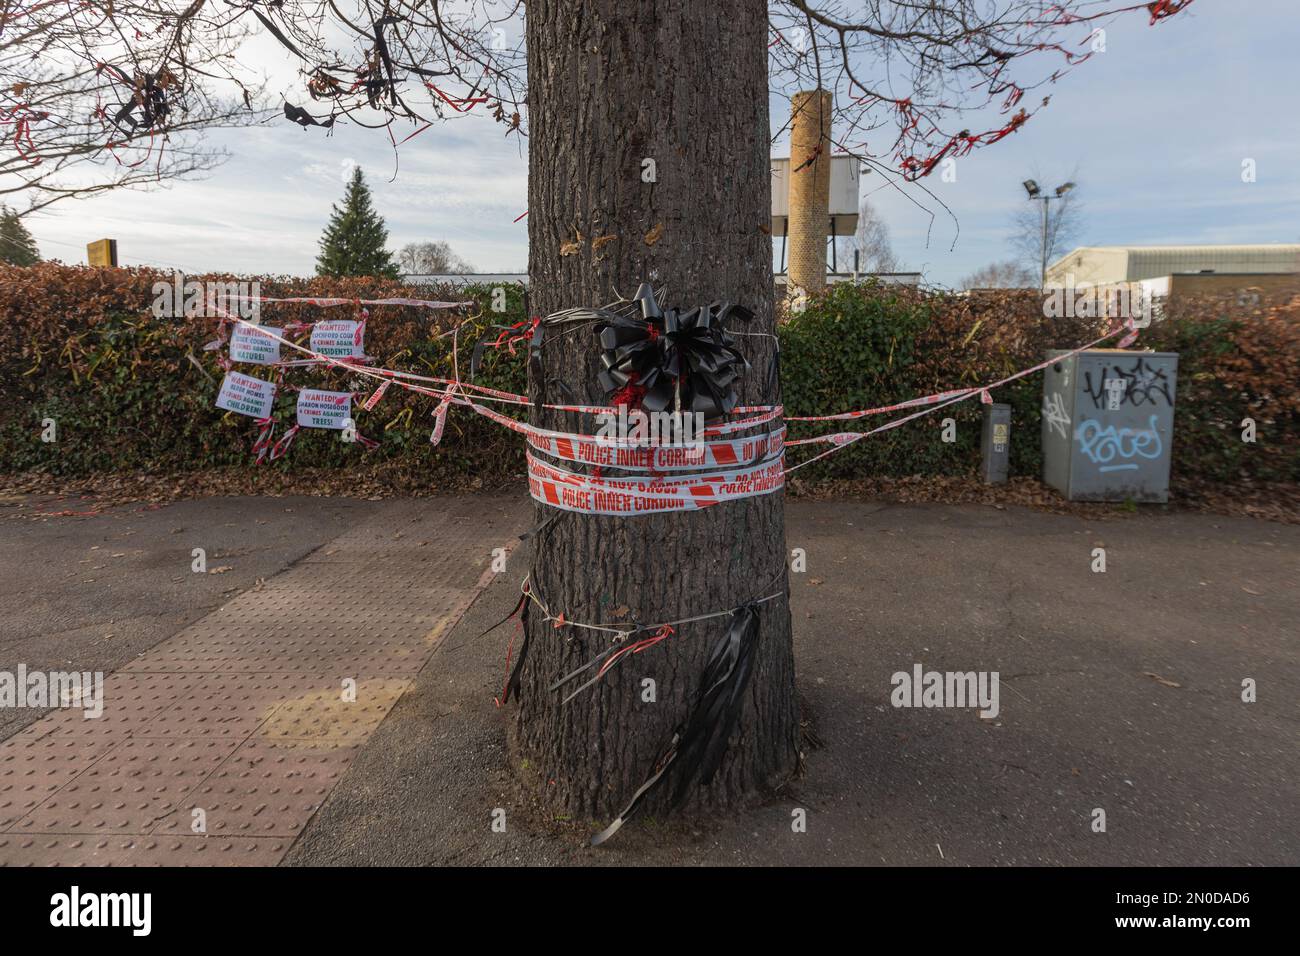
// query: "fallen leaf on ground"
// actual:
[[1161, 680]]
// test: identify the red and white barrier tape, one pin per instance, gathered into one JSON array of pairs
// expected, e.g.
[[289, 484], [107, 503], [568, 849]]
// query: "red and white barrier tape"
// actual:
[[545, 435], [329, 302], [591, 494], [883, 409], [841, 439], [587, 450]]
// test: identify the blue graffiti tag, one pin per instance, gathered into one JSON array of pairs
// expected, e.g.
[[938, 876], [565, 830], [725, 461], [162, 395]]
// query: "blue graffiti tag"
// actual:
[[1104, 445]]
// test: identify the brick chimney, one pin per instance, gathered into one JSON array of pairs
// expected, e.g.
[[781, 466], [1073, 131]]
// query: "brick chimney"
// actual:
[[810, 190]]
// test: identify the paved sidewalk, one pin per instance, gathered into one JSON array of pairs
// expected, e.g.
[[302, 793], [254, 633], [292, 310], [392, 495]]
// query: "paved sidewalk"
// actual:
[[219, 743], [1119, 691]]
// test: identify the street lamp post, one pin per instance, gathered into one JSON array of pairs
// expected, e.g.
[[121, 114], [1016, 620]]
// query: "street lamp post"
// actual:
[[1037, 195]]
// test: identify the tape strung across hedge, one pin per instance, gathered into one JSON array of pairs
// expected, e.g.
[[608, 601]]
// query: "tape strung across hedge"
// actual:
[[714, 477], [330, 302]]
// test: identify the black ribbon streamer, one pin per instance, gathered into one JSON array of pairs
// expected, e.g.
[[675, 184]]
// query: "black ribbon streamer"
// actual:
[[476, 359], [275, 32], [512, 683], [535, 366], [381, 51], [685, 360], [305, 119], [147, 96], [773, 373], [520, 608], [698, 744]]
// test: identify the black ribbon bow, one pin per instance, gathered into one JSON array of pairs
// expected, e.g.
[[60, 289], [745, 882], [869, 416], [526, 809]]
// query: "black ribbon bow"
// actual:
[[684, 360]]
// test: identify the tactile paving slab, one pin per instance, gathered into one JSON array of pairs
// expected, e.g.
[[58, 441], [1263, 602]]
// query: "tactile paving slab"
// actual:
[[218, 746], [24, 849], [129, 789], [266, 788], [129, 701], [32, 770]]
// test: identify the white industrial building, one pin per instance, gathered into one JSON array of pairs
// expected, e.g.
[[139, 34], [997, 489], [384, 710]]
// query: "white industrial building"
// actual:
[[1104, 265]]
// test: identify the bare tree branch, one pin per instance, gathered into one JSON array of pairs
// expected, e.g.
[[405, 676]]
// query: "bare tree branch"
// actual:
[[100, 94]]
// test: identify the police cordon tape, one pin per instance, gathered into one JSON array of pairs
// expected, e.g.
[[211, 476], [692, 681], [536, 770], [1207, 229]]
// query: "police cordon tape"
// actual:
[[609, 451], [598, 495], [644, 490], [588, 450]]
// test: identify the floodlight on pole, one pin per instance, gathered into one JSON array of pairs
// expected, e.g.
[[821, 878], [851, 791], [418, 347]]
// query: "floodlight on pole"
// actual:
[[1035, 195]]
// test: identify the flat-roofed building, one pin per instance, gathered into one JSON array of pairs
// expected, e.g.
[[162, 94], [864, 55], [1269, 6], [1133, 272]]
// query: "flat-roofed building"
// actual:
[[1105, 265]]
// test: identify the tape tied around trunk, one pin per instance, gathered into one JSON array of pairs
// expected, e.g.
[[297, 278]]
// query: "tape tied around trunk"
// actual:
[[558, 487]]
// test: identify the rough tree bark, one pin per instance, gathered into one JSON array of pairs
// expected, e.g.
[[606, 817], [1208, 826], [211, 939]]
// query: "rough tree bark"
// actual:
[[611, 84]]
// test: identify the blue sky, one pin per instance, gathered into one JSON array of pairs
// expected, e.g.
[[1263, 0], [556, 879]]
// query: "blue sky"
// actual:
[[1155, 130]]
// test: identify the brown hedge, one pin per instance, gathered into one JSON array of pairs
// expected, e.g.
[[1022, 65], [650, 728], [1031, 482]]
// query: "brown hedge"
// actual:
[[130, 392]]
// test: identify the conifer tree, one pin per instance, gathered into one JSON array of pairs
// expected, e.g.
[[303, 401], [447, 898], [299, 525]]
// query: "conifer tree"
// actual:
[[354, 238], [17, 247]]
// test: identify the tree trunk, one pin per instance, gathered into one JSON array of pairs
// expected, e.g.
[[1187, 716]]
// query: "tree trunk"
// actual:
[[613, 83]]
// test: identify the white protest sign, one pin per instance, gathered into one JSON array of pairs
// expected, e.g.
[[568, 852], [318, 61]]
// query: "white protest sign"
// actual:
[[318, 409], [338, 338], [255, 346], [246, 395]]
